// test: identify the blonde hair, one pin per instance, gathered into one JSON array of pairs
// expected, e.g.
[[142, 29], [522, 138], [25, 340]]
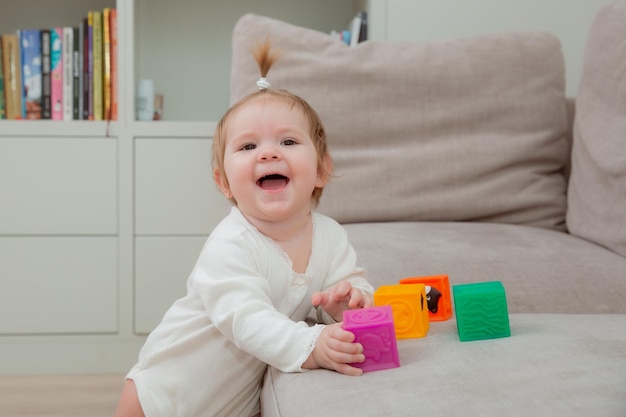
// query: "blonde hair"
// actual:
[[265, 59]]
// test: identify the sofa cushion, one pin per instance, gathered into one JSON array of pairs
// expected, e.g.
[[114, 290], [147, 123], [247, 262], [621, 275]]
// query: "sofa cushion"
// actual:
[[542, 270], [468, 129], [552, 365], [597, 190]]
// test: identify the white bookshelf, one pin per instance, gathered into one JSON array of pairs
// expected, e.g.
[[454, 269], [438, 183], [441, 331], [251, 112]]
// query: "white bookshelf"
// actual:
[[100, 222]]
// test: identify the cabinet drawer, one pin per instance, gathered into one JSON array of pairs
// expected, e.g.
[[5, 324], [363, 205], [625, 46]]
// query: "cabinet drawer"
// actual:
[[174, 189], [58, 285], [162, 266], [58, 186]]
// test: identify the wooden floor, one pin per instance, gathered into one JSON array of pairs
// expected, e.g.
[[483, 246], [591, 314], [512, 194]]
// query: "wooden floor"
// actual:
[[60, 395]]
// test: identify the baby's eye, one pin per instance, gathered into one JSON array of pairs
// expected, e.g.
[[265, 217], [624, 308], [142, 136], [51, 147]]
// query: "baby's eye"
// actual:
[[248, 147], [289, 142]]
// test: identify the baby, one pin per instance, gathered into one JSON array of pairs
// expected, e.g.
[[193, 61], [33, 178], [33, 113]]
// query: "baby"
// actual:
[[263, 270]]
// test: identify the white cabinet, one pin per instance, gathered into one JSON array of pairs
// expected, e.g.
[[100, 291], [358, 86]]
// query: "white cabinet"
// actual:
[[174, 189], [58, 235], [162, 266], [58, 285], [101, 223], [176, 206], [58, 185]]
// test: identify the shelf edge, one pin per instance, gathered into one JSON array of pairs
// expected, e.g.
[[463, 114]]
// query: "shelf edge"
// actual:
[[163, 128]]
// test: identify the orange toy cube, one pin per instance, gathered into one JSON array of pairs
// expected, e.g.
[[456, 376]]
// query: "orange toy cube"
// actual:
[[408, 303], [437, 295]]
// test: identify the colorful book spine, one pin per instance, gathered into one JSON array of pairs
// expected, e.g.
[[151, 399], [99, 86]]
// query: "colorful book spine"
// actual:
[[85, 61], [68, 73], [62, 73], [56, 72], [2, 115], [98, 96], [46, 104], [76, 74], [30, 43], [90, 63], [113, 56], [11, 59], [106, 64]]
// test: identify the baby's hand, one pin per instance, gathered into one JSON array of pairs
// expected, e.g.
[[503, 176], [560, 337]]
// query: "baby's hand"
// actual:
[[342, 296], [334, 350]]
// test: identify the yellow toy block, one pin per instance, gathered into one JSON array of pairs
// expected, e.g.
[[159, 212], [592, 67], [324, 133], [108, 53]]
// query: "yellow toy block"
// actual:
[[409, 306]]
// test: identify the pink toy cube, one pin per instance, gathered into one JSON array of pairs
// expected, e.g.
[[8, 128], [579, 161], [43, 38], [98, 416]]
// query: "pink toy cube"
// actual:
[[373, 328]]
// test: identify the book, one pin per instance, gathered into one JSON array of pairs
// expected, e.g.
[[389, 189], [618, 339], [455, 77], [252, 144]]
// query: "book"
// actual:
[[363, 30], [46, 98], [11, 61], [106, 63], [97, 66], [76, 74], [2, 115], [85, 66], [30, 48], [56, 72], [114, 81], [89, 54], [68, 73], [355, 29], [358, 28]]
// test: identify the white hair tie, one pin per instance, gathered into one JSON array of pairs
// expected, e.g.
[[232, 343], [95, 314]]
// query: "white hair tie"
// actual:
[[263, 84]]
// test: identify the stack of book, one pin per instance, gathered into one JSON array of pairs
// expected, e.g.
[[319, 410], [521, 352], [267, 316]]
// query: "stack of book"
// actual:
[[61, 73], [356, 33]]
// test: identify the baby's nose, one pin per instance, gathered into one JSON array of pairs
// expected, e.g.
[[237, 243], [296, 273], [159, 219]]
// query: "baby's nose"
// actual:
[[269, 152]]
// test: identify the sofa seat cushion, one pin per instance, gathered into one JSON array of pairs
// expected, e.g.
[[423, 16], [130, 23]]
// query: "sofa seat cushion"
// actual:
[[552, 365], [543, 271], [465, 129]]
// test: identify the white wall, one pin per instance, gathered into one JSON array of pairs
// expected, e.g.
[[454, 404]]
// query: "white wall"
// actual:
[[423, 20], [192, 39]]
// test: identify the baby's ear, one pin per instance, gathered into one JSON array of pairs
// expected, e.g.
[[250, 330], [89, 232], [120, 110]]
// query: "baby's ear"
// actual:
[[324, 174], [222, 183]]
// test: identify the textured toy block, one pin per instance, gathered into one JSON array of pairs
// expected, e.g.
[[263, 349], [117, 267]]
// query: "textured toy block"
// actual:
[[437, 295], [408, 303], [373, 328], [481, 311]]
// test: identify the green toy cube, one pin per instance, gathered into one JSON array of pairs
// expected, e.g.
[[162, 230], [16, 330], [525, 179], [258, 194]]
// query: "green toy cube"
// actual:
[[481, 311]]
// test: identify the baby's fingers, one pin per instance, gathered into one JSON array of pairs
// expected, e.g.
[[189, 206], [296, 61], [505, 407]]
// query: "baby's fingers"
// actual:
[[346, 369], [342, 361], [348, 353], [335, 331], [344, 350], [342, 290], [359, 299], [356, 299], [319, 299]]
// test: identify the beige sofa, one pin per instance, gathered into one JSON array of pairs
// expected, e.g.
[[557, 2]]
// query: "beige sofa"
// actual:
[[464, 157]]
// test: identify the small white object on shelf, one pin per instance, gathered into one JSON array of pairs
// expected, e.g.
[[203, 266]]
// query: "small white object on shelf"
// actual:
[[145, 99]]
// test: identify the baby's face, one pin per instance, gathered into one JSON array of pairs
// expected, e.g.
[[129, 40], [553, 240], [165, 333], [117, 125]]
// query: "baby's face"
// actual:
[[270, 161]]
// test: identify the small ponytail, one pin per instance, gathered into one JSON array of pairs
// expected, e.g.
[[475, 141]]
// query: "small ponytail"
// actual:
[[265, 57]]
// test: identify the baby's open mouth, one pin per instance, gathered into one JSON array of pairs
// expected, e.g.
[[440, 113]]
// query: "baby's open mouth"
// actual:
[[272, 182]]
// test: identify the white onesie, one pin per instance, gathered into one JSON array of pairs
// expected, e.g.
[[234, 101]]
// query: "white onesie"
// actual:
[[245, 308]]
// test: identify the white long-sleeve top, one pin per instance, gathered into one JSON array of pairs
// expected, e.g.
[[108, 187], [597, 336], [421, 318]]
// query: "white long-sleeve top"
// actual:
[[245, 308]]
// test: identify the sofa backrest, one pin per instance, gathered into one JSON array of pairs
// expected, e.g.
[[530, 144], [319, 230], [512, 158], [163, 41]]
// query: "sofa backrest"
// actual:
[[468, 129], [597, 191]]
